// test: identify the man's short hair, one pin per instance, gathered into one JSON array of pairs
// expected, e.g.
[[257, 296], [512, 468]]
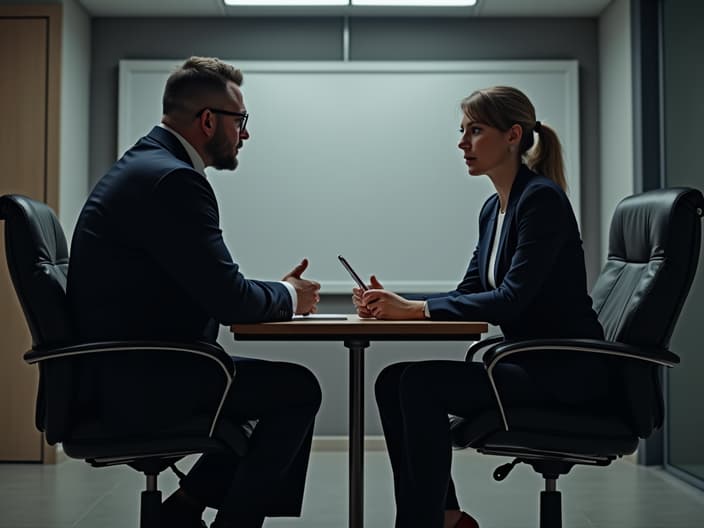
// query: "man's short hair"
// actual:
[[196, 81]]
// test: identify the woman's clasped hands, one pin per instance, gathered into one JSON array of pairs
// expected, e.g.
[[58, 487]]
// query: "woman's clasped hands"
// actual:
[[379, 303]]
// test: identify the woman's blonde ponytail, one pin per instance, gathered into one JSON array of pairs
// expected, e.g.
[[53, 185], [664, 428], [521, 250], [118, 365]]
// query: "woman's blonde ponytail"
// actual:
[[545, 156]]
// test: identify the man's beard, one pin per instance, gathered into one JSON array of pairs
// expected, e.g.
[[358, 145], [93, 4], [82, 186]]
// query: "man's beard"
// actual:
[[221, 152]]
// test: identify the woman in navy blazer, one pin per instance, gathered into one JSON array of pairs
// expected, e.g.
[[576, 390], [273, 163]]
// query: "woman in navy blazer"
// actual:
[[526, 275]]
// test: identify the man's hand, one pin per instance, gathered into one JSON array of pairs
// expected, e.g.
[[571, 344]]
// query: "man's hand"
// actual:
[[308, 291], [357, 297]]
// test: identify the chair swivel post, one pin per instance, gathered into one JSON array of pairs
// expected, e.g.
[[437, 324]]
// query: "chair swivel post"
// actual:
[[550, 504], [150, 516]]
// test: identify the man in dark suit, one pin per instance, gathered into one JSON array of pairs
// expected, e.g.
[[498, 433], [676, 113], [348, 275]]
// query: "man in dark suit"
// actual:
[[148, 261]]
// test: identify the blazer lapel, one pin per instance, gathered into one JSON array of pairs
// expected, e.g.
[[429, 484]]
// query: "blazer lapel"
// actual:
[[501, 266], [485, 240]]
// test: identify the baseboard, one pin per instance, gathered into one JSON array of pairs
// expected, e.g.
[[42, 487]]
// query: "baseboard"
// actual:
[[341, 443], [56, 455], [632, 458]]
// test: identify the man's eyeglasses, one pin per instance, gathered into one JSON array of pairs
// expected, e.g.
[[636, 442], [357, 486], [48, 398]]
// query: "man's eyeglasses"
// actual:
[[244, 116]]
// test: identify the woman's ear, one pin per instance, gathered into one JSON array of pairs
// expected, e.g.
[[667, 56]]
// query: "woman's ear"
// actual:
[[515, 134]]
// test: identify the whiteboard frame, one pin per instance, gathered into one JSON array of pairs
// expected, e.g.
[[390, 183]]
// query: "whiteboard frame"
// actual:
[[129, 69]]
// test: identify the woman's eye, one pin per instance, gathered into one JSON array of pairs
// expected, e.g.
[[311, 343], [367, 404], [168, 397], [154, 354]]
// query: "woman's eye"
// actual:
[[476, 130]]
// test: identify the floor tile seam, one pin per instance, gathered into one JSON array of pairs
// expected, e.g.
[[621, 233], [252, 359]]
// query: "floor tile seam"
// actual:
[[95, 503]]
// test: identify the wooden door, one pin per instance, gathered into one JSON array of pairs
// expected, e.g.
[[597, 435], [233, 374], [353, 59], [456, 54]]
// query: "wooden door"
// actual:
[[29, 100]]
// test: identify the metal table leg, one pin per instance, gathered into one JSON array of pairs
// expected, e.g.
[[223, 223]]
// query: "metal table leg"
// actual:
[[356, 432]]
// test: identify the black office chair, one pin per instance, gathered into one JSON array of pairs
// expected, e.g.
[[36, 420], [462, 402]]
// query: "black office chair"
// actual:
[[653, 252], [70, 407]]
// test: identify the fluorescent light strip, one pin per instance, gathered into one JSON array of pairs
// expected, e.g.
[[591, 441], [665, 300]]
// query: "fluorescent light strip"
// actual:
[[415, 3], [287, 3], [387, 3]]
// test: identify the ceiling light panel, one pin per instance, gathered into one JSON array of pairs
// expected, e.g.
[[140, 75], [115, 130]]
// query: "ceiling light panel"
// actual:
[[386, 3], [286, 3], [415, 3]]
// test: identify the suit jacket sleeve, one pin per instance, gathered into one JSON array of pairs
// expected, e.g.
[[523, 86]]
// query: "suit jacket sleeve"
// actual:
[[541, 233], [184, 236]]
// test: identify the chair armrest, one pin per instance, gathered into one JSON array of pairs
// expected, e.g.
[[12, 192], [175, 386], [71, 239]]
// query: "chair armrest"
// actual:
[[658, 356], [206, 351], [478, 346], [501, 351]]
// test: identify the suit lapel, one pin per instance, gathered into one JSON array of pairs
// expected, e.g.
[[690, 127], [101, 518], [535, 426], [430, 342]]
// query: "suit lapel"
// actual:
[[485, 239], [501, 266]]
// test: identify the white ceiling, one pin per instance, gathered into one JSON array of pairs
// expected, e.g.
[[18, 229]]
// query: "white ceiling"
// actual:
[[209, 8]]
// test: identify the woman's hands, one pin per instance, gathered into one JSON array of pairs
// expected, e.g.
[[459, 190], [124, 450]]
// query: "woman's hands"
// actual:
[[382, 304], [358, 301]]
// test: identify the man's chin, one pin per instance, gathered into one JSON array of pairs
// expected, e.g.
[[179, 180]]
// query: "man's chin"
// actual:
[[226, 164]]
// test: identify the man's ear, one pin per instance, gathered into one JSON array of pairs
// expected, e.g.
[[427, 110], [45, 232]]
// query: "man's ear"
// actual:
[[207, 123]]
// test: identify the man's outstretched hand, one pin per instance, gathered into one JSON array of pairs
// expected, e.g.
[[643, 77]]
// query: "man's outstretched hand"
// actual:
[[308, 291]]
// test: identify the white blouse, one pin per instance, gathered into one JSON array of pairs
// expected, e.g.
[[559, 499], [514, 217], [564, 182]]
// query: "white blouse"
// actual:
[[495, 248]]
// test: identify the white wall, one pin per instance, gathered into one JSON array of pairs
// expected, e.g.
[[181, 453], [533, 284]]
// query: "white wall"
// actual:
[[616, 111], [330, 175], [75, 102]]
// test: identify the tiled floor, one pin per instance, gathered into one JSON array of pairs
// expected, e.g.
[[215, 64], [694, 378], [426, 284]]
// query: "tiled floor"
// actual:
[[74, 495]]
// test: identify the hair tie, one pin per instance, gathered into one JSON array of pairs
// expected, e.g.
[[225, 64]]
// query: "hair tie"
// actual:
[[537, 127]]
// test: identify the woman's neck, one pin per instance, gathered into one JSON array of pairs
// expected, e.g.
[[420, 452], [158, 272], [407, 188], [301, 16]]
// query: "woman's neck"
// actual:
[[503, 177]]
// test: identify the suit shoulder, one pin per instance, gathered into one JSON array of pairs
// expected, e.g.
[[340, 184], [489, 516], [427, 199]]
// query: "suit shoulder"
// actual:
[[184, 184], [544, 197], [164, 166], [542, 189], [149, 153]]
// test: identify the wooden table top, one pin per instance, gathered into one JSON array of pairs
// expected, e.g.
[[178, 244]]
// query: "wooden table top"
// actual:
[[355, 326]]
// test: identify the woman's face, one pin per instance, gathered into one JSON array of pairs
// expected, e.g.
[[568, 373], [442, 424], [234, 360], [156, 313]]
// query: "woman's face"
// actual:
[[485, 148]]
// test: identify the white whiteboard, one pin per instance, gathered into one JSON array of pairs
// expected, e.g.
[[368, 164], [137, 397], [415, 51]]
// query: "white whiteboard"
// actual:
[[359, 159]]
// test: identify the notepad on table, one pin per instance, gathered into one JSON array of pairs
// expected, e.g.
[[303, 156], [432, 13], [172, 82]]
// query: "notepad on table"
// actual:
[[320, 317]]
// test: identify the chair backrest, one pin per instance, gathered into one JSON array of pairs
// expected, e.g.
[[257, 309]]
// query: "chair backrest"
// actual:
[[654, 246], [37, 257]]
